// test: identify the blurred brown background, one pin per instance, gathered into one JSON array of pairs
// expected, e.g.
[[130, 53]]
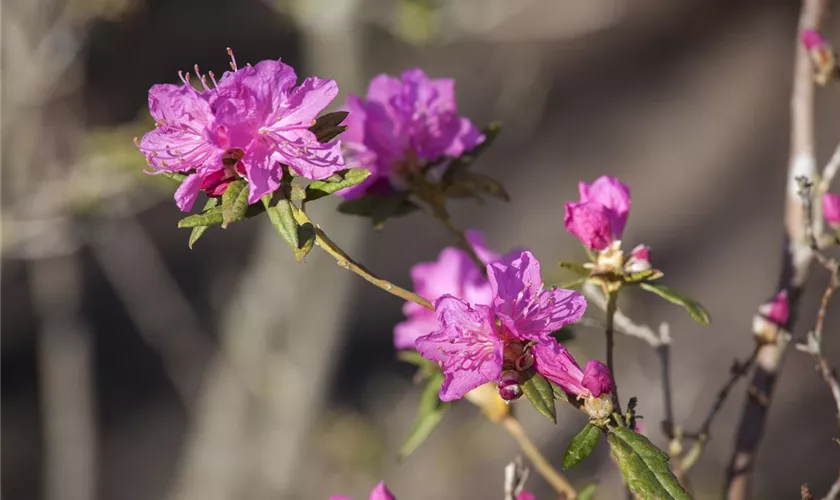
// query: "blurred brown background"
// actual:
[[136, 369]]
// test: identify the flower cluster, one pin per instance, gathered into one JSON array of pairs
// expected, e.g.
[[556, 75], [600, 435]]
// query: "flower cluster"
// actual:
[[248, 123], [501, 341], [400, 126], [598, 221]]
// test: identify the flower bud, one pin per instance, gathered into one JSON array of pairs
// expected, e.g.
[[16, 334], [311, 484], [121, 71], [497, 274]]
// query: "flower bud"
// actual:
[[509, 385], [831, 209], [639, 260], [524, 362], [598, 409], [822, 56]]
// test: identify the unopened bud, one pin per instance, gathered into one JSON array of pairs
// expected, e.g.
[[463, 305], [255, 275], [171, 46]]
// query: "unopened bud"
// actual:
[[524, 362], [639, 260], [822, 56], [509, 385], [831, 209]]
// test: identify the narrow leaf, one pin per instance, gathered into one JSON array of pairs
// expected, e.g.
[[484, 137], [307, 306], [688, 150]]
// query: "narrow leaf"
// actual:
[[212, 217], [697, 311], [539, 392], [328, 126], [306, 240], [588, 492], [574, 267], [284, 222], [199, 230], [558, 392], [581, 446], [644, 466], [429, 414], [379, 208], [234, 202], [345, 179]]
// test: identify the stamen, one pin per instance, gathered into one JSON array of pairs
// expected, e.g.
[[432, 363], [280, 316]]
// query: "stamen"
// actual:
[[232, 59], [213, 78], [201, 77], [137, 142], [184, 79]]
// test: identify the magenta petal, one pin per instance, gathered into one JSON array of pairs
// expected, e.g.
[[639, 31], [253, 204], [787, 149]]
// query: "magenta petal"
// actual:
[[187, 192], [831, 209], [263, 172], [465, 345], [309, 158], [553, 361], [417, 325], [614, 196], [596, 378], [307, 100], [590, 223], [381, 492]]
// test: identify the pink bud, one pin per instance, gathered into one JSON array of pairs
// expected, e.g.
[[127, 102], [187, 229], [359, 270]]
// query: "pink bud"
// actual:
[[812, 39], [831, 209], [509, 388], [639, 259], [778, 309], [596, 378], [590, 223]]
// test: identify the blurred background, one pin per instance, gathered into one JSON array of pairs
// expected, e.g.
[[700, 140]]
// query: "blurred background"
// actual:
[[134, 368]]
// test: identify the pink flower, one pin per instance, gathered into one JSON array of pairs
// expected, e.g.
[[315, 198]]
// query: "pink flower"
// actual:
[[253, 119], [379, 492], [831, 209], [403, 123], [599, 217], [453, 273], [525, 495], [474, 343], [554, 362], [778, 309], [812, 39]]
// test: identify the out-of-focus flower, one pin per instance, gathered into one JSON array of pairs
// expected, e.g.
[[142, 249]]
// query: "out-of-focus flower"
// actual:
[[379, 492], [778, 309], [475, 343], [402, 124], [831, 209], [453, 273], [598, 219], [639, 260], [525, 495], [245, 125]]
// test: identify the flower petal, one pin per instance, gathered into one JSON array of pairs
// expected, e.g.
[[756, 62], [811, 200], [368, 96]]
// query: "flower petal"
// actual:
[[614, 196], [381, 492], [306, 101], [465, 345], [596, 378], [262, 171], [590, 223], [187, 192], [553, 361]]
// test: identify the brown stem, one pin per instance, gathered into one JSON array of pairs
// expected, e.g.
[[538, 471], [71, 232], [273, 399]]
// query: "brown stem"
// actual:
[[612, 298], [345, 261], [554, 478], [797, 258]]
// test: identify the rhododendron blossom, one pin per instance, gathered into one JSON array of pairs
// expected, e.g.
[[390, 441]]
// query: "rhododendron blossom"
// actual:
[[778, 309], [454, 273], [249, 122], [598, 219], [379, 492], [831, 209], [402, 124], [475, 343]]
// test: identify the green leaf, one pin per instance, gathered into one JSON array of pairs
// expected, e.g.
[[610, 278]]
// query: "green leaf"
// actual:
[[429, 414], [199, 230], [342, 179], [175, 176], [697, 311], [588, 492], [306, 240], [379, 208], [648, 275], [644, 466], [558, 392], [212, 217], [540, 393], [581, 446], [234, 202], [328, 126], [467, 184], [282, 218], [575, 268]]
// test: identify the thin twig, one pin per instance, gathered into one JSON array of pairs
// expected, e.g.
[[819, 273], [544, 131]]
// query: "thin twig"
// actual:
[[345, 261], [609, 331], [541, 464], [796, 261]]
